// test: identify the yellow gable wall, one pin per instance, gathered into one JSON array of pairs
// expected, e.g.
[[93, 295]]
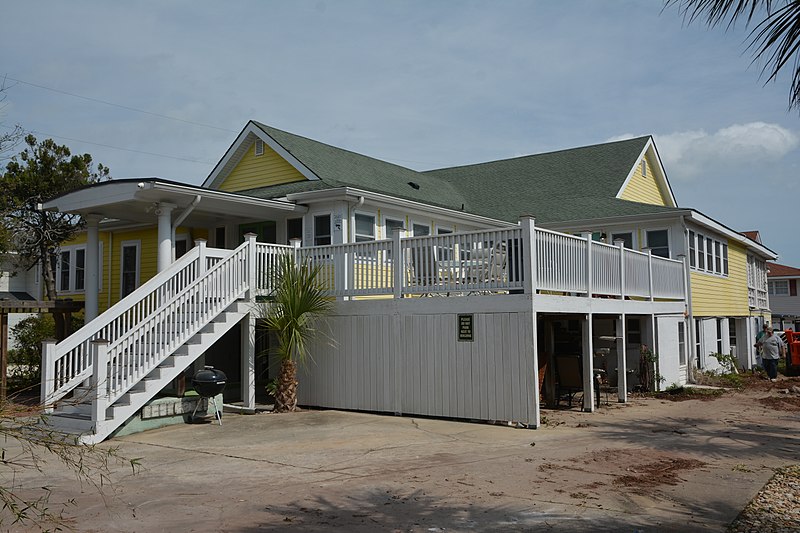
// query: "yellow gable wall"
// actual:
[[644, 189], [148, 259], [260, 171], [720, 296]]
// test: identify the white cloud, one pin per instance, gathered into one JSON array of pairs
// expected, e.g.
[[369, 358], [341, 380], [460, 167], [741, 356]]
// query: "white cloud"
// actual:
[[690, 154]]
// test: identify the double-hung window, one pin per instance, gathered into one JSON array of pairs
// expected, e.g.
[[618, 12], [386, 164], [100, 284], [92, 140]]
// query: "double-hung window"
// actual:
[[779, 287], [708, 254], [627, 239], [129, 267], [364, 227], [322, 230], [658, 242], [391, 225], [70, 268]]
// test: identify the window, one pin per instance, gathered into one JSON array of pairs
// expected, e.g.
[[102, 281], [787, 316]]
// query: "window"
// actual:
[[719, 335], [701, 253], [445, 252], [725, 259], [644, 168], [779, 287], [259, 147], [420, 230], [365, 227], [129, 279], [627, 237], [658, 242], [294, 229], [707, 254], [219, 237], [70, 268], [681, 343], [391, 225], [80, 273], [732, 333], [443, 231], [322, 230], [181, 245], [634, 331]]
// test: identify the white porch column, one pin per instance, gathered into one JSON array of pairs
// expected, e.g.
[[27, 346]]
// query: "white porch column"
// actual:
[[248, 339], [622, 361], [164, 212], [588, 364], [528, 249], [91, 283], [589, 263]]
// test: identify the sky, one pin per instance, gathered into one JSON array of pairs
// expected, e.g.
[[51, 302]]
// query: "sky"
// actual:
[[163, 88]]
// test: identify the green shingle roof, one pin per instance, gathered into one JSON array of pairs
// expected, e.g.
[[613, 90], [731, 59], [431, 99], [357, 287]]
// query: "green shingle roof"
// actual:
[[337, 167], [575, 184]]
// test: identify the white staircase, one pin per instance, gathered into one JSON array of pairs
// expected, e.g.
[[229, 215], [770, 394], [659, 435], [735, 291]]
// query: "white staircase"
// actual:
[[96, 379]]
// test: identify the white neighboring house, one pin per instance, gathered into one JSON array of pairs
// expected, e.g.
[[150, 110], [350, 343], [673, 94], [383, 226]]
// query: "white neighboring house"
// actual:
[[784, 300], [16, 285]]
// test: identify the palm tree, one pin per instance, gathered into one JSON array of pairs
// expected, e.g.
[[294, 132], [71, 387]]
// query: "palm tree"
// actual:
[[774, 39], [293, 313]]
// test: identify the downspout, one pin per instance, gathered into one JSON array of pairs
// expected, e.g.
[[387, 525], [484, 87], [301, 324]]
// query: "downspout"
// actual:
[[690, 330], [178, 221]]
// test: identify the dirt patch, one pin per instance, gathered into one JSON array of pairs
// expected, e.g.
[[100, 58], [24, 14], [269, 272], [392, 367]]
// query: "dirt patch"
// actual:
[[781, 403], [663, 472], [683, 394]]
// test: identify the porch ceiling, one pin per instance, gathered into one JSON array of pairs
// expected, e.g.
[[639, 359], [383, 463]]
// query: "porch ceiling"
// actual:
[[135, 200]]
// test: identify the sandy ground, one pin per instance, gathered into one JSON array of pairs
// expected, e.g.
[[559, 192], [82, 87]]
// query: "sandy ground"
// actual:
[[650, 465]]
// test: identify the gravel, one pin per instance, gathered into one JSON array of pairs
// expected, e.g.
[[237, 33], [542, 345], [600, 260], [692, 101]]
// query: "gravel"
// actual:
[[776, 508]]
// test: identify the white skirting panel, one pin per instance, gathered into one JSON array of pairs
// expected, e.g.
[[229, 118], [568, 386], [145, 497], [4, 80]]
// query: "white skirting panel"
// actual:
[[403, 360]]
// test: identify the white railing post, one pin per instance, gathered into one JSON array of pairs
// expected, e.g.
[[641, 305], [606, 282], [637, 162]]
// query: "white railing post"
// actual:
[[201, 258], [252, 285], [399, 259], [99, 350], [528, 249], [48, 386], [621, 245], [650, 273], [588, 236]]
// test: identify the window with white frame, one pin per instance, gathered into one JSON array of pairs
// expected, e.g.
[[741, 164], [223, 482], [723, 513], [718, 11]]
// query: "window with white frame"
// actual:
[[421, 230], [322, 230], [391, 224], [129, 267], [181, 245], [707, 254], [681, 343], [70, 269], [364, 227], [294, 229], [779, 287], [644, 168], [719, 335], [259, 147], [626, 237], [658, 242]]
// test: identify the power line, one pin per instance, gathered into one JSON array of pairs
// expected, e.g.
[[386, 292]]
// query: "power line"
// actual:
[[90, 99], [39, 132]]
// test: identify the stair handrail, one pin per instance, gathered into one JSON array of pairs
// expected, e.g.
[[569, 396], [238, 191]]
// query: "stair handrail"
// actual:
[[119, 384], [55, 387]]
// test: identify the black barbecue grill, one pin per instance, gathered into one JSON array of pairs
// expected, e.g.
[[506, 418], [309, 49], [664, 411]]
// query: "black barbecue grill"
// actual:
[[209, 382]]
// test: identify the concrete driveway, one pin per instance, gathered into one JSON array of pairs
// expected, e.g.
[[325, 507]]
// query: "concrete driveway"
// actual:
[[651, 465]]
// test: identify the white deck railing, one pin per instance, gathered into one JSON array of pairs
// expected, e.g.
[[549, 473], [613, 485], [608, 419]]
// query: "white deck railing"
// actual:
[[491, 261]]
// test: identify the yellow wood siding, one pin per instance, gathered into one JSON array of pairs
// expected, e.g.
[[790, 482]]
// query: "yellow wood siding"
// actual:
[[260, 171], [148, 256], [642, 188], [720, 296]]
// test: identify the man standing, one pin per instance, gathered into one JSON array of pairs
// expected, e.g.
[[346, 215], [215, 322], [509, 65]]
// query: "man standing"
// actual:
[[759, 351], [773, 348]]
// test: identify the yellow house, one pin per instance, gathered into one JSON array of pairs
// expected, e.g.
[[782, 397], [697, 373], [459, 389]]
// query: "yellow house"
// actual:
[[485, 229]]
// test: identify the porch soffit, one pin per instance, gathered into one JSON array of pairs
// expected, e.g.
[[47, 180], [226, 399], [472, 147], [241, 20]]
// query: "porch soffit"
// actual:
[[136, 201]]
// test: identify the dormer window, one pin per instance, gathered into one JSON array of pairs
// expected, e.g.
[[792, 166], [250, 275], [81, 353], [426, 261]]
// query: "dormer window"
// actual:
[[259, 147]]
